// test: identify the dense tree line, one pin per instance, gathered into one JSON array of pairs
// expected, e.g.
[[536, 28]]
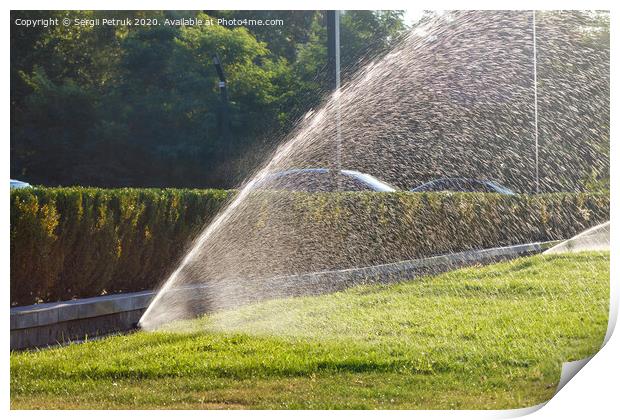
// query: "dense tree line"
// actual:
[[115, 106], [138, 105]]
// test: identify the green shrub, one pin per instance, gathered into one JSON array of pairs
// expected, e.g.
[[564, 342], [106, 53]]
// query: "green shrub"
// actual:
[[292, 233], [80, 242]]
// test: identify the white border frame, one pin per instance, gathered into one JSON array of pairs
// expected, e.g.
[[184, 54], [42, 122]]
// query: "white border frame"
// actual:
[[593, 392]]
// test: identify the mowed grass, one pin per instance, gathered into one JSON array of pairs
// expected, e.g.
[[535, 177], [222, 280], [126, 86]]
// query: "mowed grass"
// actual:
[[476, 338]]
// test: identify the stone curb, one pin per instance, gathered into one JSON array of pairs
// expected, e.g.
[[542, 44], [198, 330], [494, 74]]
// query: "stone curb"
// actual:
[[45, 314], [52, 313]]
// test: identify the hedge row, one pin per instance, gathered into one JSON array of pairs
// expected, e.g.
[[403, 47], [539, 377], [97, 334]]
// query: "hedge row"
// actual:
[[79, 242], [291, 233]]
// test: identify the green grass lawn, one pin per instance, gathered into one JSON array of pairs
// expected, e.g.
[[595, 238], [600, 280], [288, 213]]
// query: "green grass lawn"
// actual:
[[482, 337]]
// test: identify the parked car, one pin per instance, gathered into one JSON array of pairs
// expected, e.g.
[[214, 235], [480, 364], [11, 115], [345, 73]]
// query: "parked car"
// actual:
[[463, 185], [19, 184], [323, 180]]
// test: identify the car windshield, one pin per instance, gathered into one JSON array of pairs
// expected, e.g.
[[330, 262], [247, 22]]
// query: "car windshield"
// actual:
[[463, 185], [309, 180], [322, 180], [501, 188], [370, 180], [18, 184]]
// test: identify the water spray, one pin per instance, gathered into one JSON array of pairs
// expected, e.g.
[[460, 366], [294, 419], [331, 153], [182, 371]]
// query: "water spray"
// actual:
[[459, 101], [333, 52], [535, 100]]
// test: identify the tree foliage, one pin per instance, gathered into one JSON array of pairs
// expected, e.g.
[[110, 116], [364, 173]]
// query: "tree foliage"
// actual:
[[91, 241], [138, 105]]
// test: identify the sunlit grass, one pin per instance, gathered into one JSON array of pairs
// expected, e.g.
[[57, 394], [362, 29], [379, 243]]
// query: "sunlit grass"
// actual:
[[481, 337]]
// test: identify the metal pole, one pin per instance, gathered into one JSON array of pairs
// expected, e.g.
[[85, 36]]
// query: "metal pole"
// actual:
[[330, 16], [338, 133], [337, 47], [333, 61], [224, 126], [535, 100]]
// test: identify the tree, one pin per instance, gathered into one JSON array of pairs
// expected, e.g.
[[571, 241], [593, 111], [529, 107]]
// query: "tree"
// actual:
[[137, 105]]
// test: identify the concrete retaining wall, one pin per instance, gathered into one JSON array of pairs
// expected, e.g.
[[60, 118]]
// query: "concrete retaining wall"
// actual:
[[62, 322]]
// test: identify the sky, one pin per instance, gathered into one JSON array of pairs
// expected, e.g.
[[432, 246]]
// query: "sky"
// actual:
[[412, 15]]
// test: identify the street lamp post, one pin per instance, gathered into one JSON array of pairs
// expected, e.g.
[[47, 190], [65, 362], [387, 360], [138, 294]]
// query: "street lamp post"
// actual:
[[333, 60], [223, 112], [536, 163]]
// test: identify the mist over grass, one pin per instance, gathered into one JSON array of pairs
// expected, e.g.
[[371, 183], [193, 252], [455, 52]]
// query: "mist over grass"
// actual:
[[479, 337]]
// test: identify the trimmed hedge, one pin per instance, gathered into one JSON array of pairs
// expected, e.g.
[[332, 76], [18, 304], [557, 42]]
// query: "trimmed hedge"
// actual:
[[80, 242], [292, 233]]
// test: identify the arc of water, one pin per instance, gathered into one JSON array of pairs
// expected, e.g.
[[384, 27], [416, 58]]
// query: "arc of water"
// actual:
[[535, 100], [338, 133], [196, 247], [224, 216]]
